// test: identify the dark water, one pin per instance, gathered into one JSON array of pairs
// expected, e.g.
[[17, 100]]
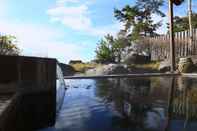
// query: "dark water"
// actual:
[[125, 104]]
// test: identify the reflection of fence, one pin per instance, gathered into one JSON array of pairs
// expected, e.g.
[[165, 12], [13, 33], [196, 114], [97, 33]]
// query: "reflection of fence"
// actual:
[[159, 45], [185, 104]]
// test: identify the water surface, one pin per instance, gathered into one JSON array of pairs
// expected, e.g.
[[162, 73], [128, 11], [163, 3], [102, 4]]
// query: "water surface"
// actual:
[[127, 104]]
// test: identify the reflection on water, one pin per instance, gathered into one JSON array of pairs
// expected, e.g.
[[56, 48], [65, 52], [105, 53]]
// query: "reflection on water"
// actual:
[[184, 105], [124, 104], [60, 88]]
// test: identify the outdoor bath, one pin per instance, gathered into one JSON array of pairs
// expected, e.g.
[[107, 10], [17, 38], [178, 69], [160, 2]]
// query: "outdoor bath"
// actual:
[[98, 65], [122, 104]]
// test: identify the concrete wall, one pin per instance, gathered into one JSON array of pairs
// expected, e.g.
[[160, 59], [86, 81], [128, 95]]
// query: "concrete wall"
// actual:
[[33, 92]]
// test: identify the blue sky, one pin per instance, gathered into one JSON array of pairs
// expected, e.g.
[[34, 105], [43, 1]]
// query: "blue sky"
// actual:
[[64, 29]]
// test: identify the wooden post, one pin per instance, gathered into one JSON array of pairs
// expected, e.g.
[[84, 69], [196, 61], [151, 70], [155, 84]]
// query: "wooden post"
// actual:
[[185, 42], [190, 26], [195, 43], [172, 49]]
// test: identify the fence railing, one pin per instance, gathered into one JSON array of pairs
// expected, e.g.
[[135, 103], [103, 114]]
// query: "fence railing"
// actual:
[[159, 46]]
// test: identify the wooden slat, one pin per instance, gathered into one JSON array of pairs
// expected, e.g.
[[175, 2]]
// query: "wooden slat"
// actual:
[[159, 45]]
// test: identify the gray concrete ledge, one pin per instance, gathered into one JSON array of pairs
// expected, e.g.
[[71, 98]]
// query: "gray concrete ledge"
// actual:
[[123, 76], [189, 75]]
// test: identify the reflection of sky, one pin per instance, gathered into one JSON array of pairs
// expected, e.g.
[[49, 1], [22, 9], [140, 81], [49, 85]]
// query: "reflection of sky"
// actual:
[[155, 118], [85, 110], [81, 109], [60, 88]]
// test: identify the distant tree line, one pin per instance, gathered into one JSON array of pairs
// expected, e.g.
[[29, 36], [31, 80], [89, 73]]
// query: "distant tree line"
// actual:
[[182, 24]]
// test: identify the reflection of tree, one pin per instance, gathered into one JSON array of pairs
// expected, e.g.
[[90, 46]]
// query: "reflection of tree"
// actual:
[[135, 118], [124, 94], [110, 92], [118, 90], [104, 89]]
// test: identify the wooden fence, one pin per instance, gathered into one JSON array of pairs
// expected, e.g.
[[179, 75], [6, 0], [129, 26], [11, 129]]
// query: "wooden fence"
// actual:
[[159, 46]]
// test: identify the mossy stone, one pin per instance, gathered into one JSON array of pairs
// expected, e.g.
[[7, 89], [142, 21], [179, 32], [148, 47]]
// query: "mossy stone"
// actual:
[[185, 65]]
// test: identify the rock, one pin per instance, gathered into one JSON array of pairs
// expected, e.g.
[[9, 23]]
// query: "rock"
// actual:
[[185, 65], [164, 66], [67, 69], [134, 58], [91, 71], [109, 70], [115, 69]]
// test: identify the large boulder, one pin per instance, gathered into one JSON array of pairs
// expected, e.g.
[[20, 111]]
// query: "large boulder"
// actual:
[[115, 69], [109, 70], [164, 66], [134, 58], [185, 65]]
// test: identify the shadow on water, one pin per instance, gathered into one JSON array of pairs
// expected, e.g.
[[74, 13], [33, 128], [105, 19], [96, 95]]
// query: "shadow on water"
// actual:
[[124, 104]]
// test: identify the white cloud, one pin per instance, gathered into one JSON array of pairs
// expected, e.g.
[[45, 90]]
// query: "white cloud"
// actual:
[[37, 40], [41, 40], [74, 17], [67, 1], [77, 17]]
